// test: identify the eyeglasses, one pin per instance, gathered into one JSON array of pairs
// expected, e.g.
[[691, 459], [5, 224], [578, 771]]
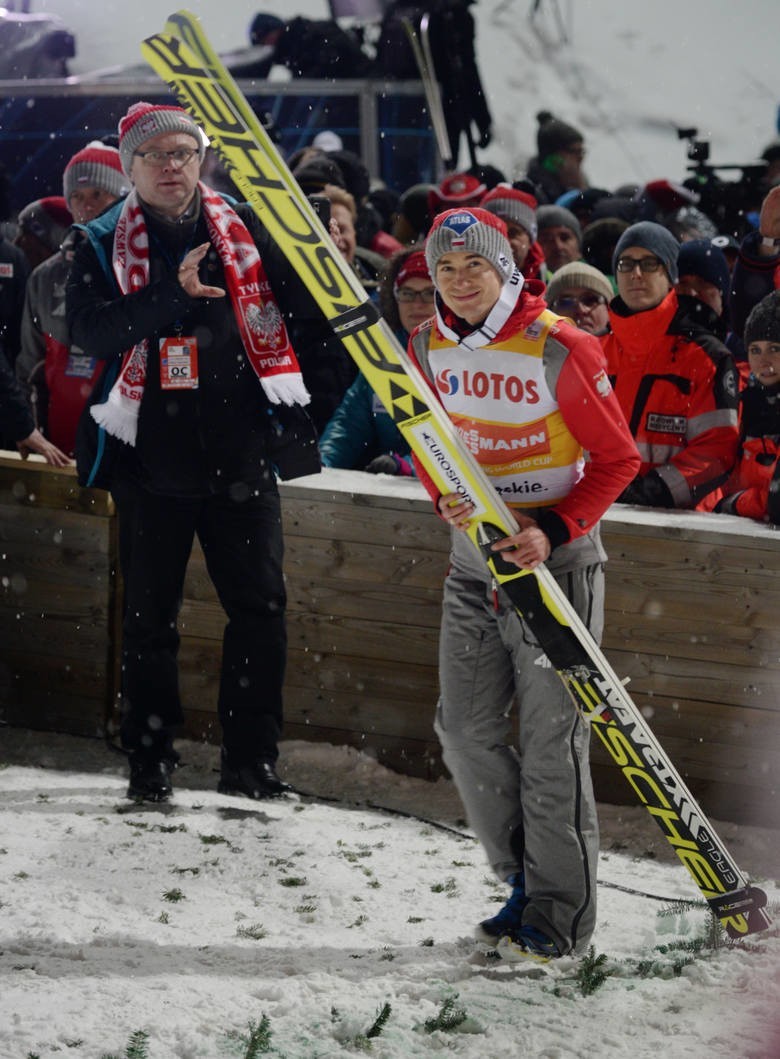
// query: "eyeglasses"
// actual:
[[157, 159], [644, 264], [587, 300], [406, 294]]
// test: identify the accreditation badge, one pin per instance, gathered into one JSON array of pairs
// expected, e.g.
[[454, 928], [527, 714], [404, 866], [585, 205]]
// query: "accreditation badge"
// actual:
[[178, 363]]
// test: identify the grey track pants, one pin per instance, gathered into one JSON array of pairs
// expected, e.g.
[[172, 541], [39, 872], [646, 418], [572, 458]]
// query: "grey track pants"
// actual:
[[528, 797]]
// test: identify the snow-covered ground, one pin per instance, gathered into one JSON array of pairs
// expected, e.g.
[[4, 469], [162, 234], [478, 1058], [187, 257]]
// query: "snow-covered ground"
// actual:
[[192, 922], [628, 74]]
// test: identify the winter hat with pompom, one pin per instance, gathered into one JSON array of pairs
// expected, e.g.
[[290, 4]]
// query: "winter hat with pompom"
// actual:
[[145, 120], [511, 205], [95, 166]]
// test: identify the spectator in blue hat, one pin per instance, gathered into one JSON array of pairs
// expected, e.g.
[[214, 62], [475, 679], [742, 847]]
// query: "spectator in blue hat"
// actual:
[[704, 289], [704, 275]]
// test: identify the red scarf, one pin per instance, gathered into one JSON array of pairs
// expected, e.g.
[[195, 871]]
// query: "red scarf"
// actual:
[[263, 333]]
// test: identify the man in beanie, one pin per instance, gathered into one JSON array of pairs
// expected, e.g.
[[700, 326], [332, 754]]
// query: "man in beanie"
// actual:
[[753, 490], [704, 283], [675, 381], [560, 237], [583, 294], [557, 167], [529, 394], [517, 209], [42, 226], [57, 374], [189, 302], [704, 274]]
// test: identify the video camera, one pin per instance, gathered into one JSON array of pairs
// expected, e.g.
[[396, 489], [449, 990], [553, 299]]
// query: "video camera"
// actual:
[[725, 202]]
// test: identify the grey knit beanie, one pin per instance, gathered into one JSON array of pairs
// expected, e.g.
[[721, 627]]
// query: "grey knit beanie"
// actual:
[[578, 274], [95, 166], [512, 205], [554, 135], [474, 231], [558, 217], [145, 120], [763, 323], [653, 237]]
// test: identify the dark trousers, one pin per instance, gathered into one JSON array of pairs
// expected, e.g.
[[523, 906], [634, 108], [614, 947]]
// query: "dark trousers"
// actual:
[[243, 547]]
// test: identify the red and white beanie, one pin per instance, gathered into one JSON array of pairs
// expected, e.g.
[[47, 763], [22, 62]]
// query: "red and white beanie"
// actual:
[[145, 120], [95, 166], [512, 205], [471, 231], [48, 219], [457, 189], [414, 267]]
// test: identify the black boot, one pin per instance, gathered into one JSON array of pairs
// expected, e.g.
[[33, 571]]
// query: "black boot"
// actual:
[[256, 779], [150, 779]]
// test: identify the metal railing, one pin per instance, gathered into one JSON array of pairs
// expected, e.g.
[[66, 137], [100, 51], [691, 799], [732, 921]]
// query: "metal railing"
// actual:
[[44, 122]]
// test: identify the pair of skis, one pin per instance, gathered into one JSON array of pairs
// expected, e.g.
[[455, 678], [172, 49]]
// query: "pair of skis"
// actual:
[[185, 60]]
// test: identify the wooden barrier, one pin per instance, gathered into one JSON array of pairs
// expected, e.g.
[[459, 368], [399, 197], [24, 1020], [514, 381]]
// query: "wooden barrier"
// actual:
[[58, 600], [692, 608]]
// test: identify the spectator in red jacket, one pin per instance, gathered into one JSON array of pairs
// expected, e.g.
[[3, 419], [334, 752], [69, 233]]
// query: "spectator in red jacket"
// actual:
[[59, 375], [675, 381]]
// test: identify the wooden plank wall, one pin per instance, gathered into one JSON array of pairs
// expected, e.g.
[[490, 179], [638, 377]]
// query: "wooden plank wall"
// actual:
[[692, 609], [58, 600], [692, 618], [700, 595]]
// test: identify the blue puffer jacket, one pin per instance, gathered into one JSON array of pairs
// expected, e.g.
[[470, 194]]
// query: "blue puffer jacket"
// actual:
[[360, 430]]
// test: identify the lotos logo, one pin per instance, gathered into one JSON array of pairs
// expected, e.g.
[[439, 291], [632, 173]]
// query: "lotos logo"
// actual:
[[493, 386], [447, 382]]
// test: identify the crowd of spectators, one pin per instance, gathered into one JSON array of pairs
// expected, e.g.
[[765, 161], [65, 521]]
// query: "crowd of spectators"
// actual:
[[643, 267]]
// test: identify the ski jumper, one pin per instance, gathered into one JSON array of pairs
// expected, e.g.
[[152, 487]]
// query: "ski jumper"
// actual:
[[528, 404]]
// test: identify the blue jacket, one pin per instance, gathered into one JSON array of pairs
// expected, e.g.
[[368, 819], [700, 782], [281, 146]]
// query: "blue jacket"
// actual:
[[361, 429]]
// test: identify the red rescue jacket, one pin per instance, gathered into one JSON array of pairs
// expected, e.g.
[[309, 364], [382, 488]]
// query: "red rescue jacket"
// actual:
[[749, 490], [677, 385]]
